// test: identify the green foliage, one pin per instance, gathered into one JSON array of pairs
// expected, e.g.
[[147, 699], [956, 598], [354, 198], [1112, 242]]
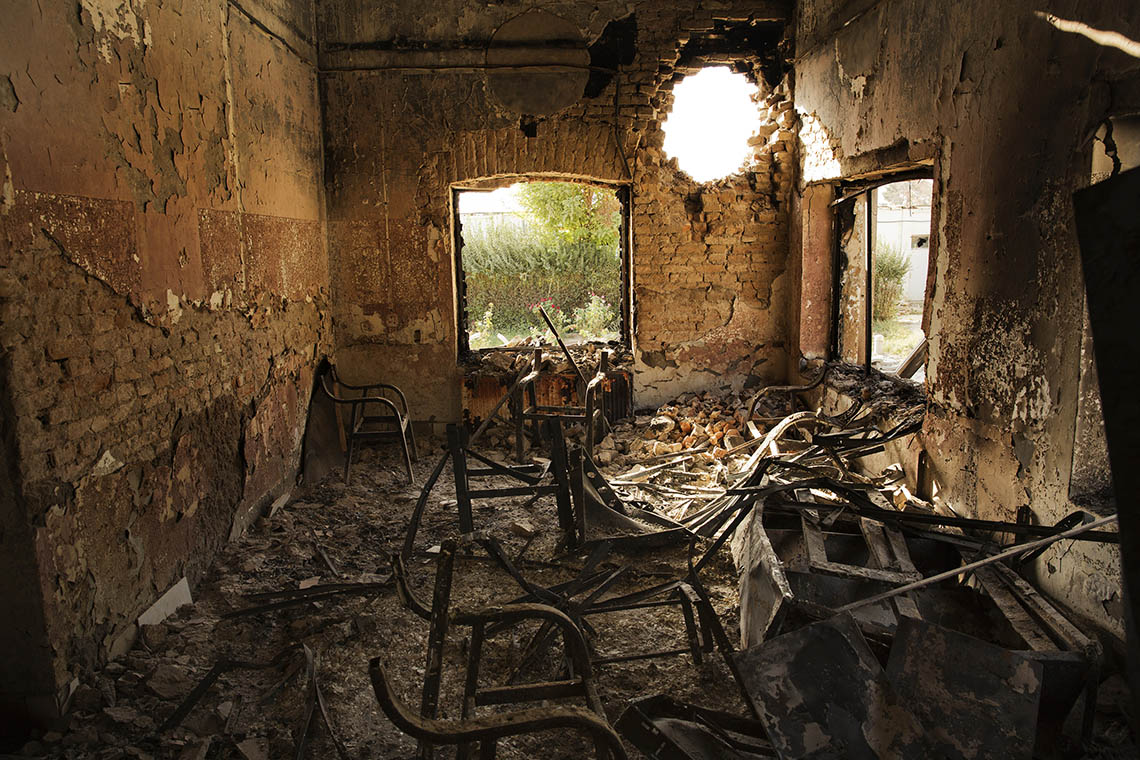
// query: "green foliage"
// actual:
[[564, 253], [569, 214], [483, 331], [887, 277], [596, 318], [557, 317], [512, 295]]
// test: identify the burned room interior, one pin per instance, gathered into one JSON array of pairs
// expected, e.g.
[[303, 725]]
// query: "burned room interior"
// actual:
[[393, 379]]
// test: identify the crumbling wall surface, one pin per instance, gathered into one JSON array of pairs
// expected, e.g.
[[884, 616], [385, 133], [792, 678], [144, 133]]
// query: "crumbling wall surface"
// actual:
[[1007, 104], [161, 284], [709, 264], [706, 260]]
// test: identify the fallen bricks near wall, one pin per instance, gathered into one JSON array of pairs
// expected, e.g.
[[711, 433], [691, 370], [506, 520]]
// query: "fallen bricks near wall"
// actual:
[[561, 608]]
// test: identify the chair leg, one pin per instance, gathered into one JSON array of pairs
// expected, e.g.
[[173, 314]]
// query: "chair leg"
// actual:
[[407, 456], [516, 407], [412, 440], [348, 460]]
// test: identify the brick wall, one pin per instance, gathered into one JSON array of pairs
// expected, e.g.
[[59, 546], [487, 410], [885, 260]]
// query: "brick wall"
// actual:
[[707, 290], [162, 279], [708, 264]]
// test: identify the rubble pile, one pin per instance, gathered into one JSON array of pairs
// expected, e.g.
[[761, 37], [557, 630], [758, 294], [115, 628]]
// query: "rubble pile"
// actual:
[[724, 577], [508, 364]]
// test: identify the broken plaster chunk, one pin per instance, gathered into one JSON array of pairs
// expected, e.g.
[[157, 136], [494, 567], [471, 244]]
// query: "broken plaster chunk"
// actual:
[[87, 699], [662, 425], [121, 714], [168, 682], [254, 749], [196, 750], [107, 464], [175, 597], [733, 440], [174, 306], [153, 636], [523, 528]]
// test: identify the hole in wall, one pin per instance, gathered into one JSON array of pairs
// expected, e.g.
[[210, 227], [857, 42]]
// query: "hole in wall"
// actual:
[[713, 116]]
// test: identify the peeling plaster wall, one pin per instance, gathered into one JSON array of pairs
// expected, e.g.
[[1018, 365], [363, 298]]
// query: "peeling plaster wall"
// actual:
[[162, 275], [1008, 105], [708, 291]]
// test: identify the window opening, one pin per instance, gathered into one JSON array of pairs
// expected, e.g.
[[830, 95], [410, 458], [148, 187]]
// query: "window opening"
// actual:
[[714, 114], [559, 245], [884, 252]]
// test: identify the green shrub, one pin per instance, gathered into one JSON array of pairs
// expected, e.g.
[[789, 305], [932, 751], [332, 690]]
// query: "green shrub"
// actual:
[[596, 318], [571, 213], [563, 252], [512, 295], [510, 249], [887, 277]]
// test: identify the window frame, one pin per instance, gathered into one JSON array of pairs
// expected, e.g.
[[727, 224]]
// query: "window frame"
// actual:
[[624, 193], [861, 190]]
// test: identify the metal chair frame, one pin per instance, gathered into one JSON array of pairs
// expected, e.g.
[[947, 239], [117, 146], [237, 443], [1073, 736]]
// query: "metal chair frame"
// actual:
[[525, 407], [363, 422], [486, 730]]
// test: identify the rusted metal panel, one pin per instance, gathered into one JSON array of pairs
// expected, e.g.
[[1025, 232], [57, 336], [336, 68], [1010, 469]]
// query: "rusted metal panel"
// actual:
[[978, 699], [822, 694]]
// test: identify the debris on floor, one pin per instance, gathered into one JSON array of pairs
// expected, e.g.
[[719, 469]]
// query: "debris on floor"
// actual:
[[719, 573]]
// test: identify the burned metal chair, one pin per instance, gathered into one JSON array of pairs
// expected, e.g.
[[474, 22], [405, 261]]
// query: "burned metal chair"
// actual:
[[531, 475], [525, 407], [486, 731], [372, 416], [666, 729]]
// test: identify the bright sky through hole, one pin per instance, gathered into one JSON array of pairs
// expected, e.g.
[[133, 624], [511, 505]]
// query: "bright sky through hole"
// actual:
[[713, 117]]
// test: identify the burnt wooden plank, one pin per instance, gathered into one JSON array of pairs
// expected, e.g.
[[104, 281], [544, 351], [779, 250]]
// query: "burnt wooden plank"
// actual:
[[887, 557], [1020, 620]]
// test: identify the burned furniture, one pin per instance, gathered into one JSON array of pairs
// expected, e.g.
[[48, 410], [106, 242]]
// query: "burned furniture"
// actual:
[[664, 729], [531, 475], [372, 416], [577, 684], [487, 731], [822, 692], [600, 515], [590, 414]]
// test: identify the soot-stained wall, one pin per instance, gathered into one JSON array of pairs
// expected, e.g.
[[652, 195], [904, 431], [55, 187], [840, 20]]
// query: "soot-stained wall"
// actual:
[[1006, 105], [405, 121], [162, 279]]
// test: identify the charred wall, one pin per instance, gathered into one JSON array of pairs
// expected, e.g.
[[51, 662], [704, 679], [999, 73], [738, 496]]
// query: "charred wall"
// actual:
[[1006, 105], [162, 281], [409, 113]]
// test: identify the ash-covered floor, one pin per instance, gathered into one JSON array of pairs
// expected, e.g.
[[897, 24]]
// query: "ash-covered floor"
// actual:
[[232, 675], [332, 533]]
